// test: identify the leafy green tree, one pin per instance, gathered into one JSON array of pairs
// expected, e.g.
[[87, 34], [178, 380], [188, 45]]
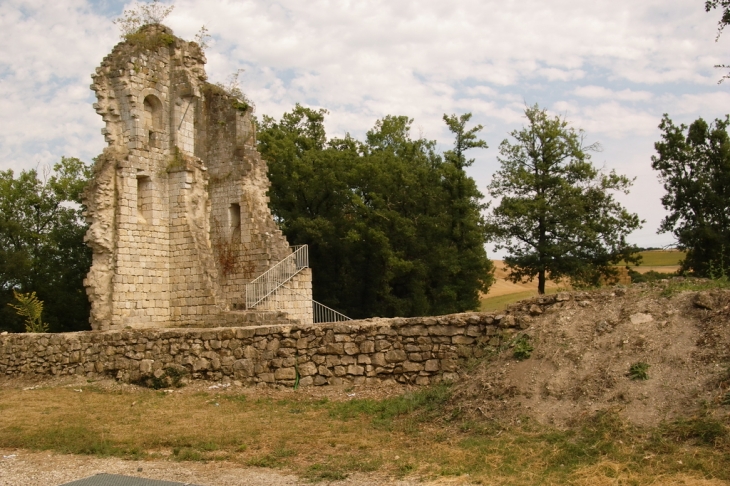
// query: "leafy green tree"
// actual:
[[42, 246], [377, 216], [694, 166], [556, 216]]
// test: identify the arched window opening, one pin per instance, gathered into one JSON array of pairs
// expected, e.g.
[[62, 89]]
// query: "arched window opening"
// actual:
[[153, 120]]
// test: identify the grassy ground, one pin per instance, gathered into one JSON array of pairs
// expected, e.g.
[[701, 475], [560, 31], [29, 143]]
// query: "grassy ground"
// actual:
[[494, 304], [321, 439]]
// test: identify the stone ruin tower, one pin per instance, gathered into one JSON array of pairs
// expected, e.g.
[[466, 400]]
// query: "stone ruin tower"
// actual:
[[178, 212]]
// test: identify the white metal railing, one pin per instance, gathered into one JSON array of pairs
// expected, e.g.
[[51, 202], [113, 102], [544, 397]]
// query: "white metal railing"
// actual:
[[322, 313], [276, 276]]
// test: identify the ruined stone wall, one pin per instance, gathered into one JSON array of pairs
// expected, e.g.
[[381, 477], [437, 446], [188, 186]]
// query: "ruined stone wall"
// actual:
[[178, 213], [419, 350], [245, 238]]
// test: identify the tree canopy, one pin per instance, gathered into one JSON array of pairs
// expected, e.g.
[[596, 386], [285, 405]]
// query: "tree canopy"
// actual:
[[394, 228], [42, 246], [556, 215], [694, 166]]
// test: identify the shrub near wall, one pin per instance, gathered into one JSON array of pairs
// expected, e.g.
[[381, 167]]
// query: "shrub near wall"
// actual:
[[418, 350]]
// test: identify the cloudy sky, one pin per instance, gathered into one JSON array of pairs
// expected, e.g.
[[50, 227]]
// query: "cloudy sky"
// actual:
[[611, 67]]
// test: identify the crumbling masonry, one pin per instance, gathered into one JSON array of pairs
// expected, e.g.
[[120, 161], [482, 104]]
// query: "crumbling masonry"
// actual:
[[178, 212]]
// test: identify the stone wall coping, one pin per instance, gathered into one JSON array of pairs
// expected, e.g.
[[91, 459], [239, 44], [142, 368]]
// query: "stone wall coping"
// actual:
[[348, 327]]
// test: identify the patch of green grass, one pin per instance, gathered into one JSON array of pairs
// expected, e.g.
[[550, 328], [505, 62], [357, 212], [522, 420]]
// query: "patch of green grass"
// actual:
[[704, 430], [425, 402], [186, 454], [71, 440], [272, 460], [405, 469], [638, 371], [676, 286], [324, 472]]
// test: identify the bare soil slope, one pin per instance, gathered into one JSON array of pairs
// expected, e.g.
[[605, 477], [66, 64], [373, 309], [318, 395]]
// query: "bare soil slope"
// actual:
[[584, 348]]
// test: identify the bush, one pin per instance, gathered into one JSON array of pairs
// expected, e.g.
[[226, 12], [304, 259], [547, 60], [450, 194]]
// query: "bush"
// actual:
[[650, 276], [522, 348]]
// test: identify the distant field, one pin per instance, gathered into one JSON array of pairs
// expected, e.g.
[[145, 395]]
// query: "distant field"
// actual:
[[661, 258], [504, 292]]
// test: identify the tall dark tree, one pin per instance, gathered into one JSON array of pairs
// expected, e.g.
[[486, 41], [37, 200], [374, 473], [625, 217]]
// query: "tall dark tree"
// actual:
[[42, 244], [377, 215], [556, 215], [694, 166]]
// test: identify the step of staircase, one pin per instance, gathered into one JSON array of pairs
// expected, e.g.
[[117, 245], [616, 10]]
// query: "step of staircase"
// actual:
[[245, 318]]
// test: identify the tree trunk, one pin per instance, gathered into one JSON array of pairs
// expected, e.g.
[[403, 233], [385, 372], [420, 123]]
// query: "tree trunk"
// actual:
[[541, 281]]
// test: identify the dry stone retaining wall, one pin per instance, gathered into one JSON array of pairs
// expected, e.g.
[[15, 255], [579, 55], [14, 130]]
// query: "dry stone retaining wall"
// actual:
[[420, 350]]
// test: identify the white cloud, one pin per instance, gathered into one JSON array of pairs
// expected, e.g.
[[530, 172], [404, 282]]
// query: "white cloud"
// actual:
[[611, 66], [601, 92]]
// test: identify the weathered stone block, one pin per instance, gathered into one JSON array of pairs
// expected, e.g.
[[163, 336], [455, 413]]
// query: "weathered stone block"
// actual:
[[432, 365], [285, 374], [445, 330], [367, 347], [382, 345], [413, 331], [335, 348], [410, 366], [395, 356], [201, 364], [355, 370], [351, 348]]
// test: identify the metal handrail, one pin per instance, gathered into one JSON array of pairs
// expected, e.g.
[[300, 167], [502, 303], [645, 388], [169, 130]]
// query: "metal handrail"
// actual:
[[322, 314], [273, 278]]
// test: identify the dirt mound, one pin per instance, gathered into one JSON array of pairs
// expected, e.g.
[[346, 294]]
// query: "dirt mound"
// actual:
[[590, 351]]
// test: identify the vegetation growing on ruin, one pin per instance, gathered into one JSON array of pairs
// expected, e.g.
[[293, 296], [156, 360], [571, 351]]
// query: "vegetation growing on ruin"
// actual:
[[150, 40], [140, 15]]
